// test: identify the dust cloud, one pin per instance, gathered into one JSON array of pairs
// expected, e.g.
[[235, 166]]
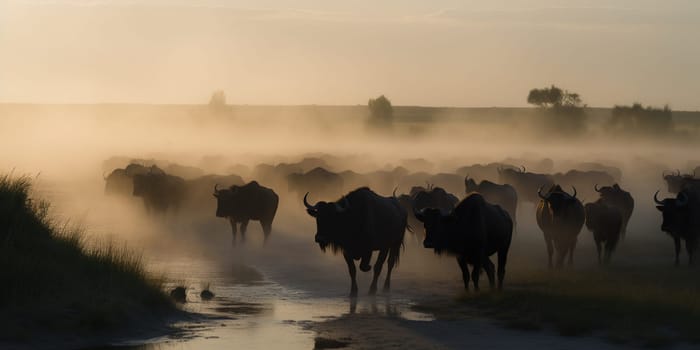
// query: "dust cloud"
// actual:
[[70, 148]]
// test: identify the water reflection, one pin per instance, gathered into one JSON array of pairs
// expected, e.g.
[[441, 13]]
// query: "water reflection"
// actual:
[[253, 313]]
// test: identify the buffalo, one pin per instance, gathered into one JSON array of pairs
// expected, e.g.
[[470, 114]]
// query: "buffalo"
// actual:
[[121, 181], [584, 180], [560, 216], [318, 180], [473, 231], [159, 191], [616, 197], [484, 171], [681, 220], [240, 204], [503, 195], [525, 183], [358, 224], [605, 221], [677, 182], [431, 197]]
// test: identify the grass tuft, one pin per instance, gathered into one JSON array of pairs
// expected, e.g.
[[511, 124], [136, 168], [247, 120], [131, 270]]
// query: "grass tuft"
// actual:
[[54, 279]]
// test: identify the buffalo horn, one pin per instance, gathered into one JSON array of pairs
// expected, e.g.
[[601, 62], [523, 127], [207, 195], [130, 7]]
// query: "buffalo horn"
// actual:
[[656, 199], [306, 203]]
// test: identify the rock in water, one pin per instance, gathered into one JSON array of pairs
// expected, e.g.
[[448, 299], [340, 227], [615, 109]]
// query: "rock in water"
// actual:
[[179, 294], [206, 295]]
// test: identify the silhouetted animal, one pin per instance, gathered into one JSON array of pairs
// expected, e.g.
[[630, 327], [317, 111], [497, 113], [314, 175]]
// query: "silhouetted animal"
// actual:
[[486, 172], [503, 195], [681, 220], [121, 181], [450, 182], [526, 184], [473, 231], [358, 224], [560, 216], [584, 181], [616, 197], [240, 204], [605, 222], [159, 191], [615, 172], [420, 198], [677, 182], [318, 180], [199, 190]]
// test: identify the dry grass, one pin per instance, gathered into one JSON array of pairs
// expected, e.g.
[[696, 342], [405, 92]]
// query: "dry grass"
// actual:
[[643, 306], [54, 279]]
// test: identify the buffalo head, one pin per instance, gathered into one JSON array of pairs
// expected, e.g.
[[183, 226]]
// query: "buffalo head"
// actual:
[[674, 212], [331, 219], [436, 223]]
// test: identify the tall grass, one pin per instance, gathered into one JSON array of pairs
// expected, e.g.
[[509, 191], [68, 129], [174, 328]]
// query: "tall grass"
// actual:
[[53, 278]]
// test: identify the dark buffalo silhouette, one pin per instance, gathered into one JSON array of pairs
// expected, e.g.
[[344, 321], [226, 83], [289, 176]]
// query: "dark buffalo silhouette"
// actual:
[[613, 171], [426, 197], [560, 216], [199, 191], [160, 191], [318, 180], [240, 204], [473, 231], [384, 181], [616, 197], [525, 183], [503, 195], [584, 181], [452, 183], [677, 182], [605, 221], [681, 220], [358, 224], [488, 171], [121, 181]]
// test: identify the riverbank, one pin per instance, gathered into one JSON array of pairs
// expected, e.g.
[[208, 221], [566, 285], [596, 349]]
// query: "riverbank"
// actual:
[[60, 286]]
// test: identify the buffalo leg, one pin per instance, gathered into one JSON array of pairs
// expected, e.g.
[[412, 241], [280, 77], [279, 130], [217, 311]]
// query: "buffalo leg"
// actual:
[[690, 248], [490, 272], [502, 259], [598, 247], [393, 256], [364, 262], [677, 242], [267, 228], [378, 270], [353, 274], [550, 250], [233, 230], [476, 271], [244, 228], [572, 247], [462, 261]]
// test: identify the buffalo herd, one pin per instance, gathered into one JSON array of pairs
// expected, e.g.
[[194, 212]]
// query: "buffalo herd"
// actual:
[[472, 229]]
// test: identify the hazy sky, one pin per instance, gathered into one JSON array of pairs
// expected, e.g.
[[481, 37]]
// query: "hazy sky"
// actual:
[[438, 52]]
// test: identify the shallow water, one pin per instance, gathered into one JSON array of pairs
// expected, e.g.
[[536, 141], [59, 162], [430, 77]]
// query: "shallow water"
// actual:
[[250, 311]]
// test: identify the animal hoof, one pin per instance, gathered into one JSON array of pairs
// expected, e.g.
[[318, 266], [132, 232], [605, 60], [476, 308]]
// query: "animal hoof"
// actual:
[[365, 268]]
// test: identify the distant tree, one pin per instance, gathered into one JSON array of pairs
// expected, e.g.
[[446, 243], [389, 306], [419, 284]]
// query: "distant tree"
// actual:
[[553, 97], [546, 97], [381, 111], [218, 99], [563, 111], [637, 119]]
